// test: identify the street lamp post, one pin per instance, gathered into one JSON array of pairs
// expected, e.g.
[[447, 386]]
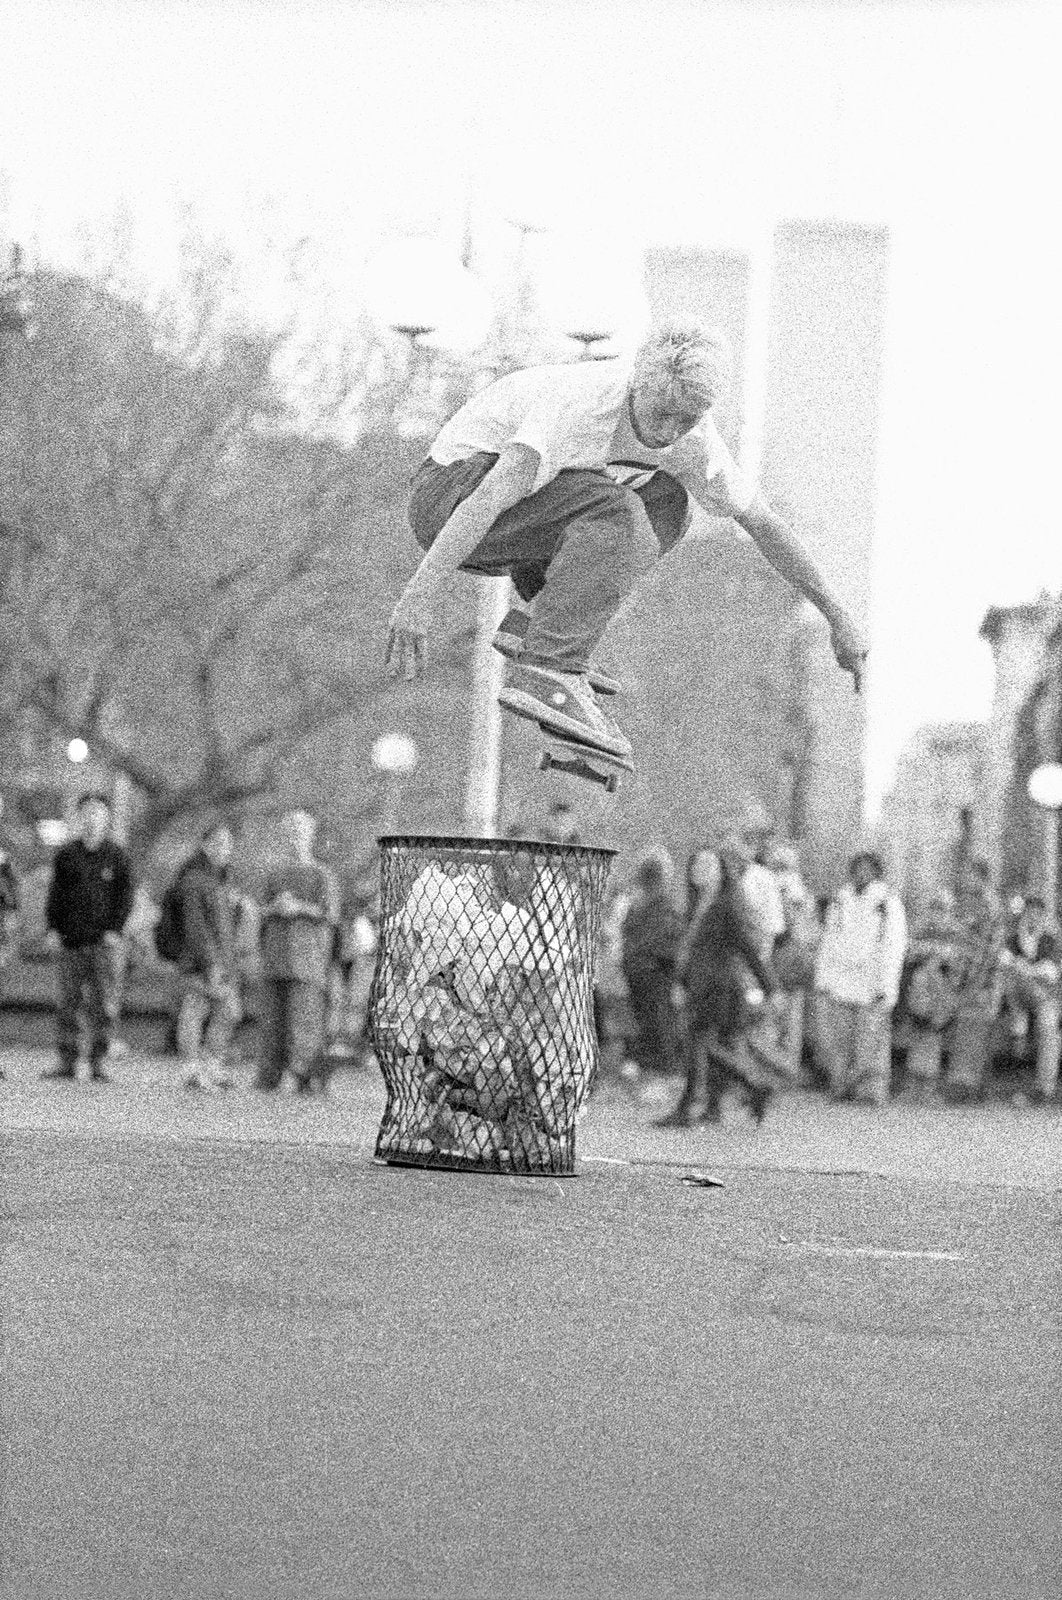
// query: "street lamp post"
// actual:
[[1045, 791]]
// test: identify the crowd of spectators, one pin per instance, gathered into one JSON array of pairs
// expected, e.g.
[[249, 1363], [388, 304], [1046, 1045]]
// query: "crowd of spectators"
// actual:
[[295, 955], [734, 982], [743, 982]]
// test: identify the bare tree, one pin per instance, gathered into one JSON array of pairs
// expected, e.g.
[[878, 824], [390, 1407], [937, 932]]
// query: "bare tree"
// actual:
[[191, 583]]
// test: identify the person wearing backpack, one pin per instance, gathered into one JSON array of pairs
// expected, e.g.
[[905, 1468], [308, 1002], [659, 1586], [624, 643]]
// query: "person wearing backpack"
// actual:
[[197, 921]]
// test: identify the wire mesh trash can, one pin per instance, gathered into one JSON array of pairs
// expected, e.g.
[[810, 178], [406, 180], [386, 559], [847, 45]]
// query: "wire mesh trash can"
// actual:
[[481, 1007]]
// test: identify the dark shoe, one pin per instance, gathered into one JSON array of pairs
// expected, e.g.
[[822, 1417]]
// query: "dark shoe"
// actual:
[[509, 642], [57, 1074], [99, 1076]]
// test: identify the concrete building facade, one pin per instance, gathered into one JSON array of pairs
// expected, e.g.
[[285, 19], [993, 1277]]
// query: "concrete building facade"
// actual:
[[820, 434], [940, 776]]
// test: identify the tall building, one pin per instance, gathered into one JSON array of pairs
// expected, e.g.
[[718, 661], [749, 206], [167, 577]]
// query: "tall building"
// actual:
[[820, 434], [1018, 636], [940, 776]]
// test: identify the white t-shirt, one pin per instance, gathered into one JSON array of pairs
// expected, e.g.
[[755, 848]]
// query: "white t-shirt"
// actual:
[[577, 416]]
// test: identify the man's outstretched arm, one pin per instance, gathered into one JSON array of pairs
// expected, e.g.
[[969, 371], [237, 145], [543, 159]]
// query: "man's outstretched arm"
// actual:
[[779, 545], [512, 478]]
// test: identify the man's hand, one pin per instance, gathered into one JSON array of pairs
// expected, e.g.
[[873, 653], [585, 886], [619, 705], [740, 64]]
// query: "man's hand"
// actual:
[[849, 648], [405, 641]]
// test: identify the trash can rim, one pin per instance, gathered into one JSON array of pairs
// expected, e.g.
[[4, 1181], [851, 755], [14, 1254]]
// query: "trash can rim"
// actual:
[[489, 847]]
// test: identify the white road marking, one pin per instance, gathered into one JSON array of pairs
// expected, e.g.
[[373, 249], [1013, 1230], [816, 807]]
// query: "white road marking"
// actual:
[[867, 1250]]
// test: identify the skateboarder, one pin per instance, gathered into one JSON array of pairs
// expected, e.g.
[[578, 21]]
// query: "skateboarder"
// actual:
[[572, 480]]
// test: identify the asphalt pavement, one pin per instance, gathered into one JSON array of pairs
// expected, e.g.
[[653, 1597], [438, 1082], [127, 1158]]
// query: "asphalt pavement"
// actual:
[[241, 1360]]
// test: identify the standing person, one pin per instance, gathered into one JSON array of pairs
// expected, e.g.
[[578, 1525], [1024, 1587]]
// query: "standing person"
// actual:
[[929, 999], [571, 480], [979, 972], [857, 982], [90, 897], [1030, 962], [210, 1007], [612, 1017], [651, 932], [794, 955], [726, 978], [300, 915]]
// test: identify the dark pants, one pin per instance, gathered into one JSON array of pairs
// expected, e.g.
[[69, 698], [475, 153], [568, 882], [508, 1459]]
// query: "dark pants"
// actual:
[[655, 1045], [292, 1017], [87, 983], [578, 545]]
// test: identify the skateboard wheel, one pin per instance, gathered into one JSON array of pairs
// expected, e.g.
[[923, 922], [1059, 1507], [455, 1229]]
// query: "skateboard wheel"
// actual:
[[611, 784], [545, 761]]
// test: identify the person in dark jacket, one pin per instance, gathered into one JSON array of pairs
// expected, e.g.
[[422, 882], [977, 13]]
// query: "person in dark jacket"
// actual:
[[726, 977], [89, 901], [210, 1007], [651, 932]]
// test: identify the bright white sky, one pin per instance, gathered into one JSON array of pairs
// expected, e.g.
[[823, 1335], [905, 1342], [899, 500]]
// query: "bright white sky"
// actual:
[[698, 123]]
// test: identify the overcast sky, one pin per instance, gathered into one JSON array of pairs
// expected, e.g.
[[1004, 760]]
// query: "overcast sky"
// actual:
[[667, 123]]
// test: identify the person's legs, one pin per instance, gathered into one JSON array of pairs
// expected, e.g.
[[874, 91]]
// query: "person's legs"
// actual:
[[872, 1035], [1047, 1046], [307, 1015], [922, 1067], [102, 979], [834, 1025], [642, 987], [272, 1033], [191, 1019], [223, 1015], [969, 1054], [702, 1093], [578, 545], [69, 975]]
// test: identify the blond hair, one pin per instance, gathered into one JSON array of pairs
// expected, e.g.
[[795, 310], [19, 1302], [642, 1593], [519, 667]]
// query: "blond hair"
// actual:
[[686, 363]]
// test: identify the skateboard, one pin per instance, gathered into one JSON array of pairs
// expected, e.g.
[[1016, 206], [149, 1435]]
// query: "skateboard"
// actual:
[[562, 753], [580, 760]]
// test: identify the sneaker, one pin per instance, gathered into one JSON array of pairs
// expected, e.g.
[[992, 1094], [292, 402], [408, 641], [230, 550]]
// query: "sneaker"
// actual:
[[563, 704], [54, 1074], [509, 642], [99, 1076]]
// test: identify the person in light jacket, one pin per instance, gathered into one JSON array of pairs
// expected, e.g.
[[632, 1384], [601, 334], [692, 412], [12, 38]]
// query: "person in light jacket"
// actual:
[[857, 982]]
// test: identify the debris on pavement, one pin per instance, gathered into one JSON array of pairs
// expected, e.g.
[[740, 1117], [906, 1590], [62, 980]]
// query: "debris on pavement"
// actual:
[[702, 1180]]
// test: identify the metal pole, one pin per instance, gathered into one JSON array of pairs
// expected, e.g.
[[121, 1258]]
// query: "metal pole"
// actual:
[[1050, 885], [488, 669]]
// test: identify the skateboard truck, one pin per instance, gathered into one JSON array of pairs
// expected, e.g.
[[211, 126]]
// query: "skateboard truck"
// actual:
[[583, 762]]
